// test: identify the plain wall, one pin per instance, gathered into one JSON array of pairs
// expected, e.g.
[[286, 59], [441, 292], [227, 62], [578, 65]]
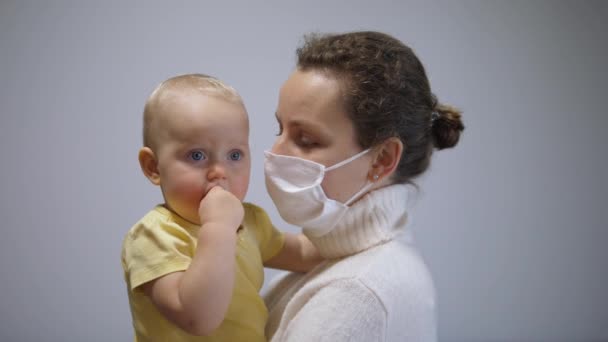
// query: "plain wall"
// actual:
[[512, 222]]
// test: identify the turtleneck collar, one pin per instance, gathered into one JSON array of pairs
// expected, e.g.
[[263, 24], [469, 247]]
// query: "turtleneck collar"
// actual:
[[376, 218]]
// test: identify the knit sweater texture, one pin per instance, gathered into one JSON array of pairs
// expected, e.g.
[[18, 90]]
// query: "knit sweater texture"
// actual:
[[374, 286]]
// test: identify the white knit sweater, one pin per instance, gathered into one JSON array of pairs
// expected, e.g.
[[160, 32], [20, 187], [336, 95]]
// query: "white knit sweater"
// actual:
[[373, 287]]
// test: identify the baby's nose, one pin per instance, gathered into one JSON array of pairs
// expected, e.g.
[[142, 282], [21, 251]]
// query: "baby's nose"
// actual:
[[216, 171]]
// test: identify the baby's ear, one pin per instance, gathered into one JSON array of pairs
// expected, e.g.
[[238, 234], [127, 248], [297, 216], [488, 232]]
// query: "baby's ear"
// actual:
[[149, 165]]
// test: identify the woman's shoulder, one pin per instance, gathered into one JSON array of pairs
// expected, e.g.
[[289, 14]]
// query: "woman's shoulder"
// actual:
[[394, 270], [389, 282]]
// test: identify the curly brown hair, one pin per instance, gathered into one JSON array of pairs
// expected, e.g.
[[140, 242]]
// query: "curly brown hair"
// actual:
[[386, 94]]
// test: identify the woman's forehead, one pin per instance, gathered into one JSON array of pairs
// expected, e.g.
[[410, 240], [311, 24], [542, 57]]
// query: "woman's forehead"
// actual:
[[311, 96]]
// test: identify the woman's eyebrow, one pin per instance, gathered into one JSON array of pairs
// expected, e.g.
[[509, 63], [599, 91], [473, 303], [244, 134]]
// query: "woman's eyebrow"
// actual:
[[301, 123]]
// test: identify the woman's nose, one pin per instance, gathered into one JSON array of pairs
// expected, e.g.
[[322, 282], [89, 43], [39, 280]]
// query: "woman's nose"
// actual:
[[279, 145]]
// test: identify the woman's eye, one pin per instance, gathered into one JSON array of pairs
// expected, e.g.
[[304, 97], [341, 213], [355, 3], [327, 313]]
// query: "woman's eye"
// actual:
[[280, 130], [197, 155], [235, 155], [306, 141]]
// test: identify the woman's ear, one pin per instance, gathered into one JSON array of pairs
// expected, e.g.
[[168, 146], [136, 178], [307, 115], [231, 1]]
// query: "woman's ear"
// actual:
[[386, 159], [149, 165]]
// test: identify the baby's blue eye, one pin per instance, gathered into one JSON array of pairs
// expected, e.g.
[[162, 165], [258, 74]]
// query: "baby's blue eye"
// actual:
[[236, 155], [197, 155]]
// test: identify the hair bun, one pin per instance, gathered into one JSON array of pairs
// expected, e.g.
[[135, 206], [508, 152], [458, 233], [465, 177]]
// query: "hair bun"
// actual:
[[446, 126]]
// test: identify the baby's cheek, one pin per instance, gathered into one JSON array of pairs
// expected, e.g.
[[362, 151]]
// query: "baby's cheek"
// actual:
[[239, 188], [191, 190]]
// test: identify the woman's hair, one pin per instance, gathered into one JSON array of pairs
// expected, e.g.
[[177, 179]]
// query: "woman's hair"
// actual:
[[386, 94]]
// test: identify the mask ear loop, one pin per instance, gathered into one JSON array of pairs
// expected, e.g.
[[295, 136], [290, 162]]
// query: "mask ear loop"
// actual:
[[344, 162], [335, 166], [364, 189]]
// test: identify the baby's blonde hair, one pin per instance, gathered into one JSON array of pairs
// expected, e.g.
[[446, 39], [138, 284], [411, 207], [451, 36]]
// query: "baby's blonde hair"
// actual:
[[206, 84]]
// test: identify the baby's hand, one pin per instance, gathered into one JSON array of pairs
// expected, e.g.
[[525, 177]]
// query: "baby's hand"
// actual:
[[221, 206]]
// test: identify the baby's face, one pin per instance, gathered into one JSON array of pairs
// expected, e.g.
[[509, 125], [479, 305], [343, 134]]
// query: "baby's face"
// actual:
[[203, 141]]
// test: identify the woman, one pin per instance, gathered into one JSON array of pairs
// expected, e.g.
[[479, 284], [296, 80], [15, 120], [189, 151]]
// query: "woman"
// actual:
[[357, 122]]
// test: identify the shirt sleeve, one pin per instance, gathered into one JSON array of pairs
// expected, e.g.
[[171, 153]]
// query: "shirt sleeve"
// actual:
[[340, 312], [155, 248], [270, 240]]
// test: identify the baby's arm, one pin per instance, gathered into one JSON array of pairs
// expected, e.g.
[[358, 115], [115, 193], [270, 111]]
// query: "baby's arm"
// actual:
[[197, 299], [298, 254]]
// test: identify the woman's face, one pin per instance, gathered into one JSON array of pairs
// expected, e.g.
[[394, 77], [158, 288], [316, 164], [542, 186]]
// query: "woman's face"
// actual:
[[313, 125]]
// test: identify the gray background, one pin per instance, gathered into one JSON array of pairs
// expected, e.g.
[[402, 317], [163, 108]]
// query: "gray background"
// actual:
[[512, 222]]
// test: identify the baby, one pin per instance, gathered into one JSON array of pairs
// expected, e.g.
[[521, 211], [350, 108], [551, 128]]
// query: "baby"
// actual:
[[194, 264]]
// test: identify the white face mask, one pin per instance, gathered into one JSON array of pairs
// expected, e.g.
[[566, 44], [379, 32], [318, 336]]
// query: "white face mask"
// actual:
[[294, 184]]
